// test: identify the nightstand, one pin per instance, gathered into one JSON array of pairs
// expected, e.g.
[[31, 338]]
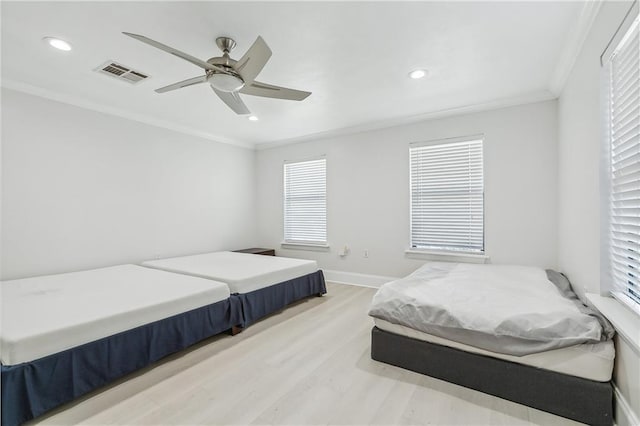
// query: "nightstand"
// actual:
[[258, 250]]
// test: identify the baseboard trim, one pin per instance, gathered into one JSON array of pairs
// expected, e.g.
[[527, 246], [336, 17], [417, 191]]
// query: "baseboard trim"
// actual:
[[354, 278], [624, 414]]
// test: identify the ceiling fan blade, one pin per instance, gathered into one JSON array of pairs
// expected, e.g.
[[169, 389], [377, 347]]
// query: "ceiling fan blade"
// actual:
[[181, 84], [269, 91], [252, 62], [176, 52], [233, 101]]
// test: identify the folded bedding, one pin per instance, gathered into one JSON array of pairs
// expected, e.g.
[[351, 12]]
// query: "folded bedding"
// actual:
[[513, 310]]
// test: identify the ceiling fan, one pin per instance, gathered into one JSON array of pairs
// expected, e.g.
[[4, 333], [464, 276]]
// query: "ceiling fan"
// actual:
[[228, 77]]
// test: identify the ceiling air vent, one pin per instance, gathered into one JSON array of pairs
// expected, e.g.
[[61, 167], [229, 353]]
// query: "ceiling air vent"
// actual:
[[121, 72]]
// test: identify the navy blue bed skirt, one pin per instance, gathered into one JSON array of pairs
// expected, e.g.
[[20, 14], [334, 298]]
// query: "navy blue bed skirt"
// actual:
[[262, 302], [33, 388]]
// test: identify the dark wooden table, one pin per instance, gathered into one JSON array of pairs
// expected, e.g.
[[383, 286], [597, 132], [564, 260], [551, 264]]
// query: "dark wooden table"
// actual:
[[258, 250]]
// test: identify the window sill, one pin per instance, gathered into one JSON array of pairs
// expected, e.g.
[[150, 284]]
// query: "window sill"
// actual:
[[626, 323], [305, 246], [446, 256]]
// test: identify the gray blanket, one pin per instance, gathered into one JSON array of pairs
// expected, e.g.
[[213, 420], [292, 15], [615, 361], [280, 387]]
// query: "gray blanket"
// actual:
[[513, 310], [563, 284]]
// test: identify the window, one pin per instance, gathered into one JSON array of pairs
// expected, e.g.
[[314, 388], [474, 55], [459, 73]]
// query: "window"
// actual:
[[305, 202], [623, 80], [447, 196]]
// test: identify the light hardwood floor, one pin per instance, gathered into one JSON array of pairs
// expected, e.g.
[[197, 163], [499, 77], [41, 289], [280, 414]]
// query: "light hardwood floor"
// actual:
[[307, 365]]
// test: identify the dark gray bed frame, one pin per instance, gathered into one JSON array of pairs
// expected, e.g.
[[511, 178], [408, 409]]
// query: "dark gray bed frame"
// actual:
[[572, 397]]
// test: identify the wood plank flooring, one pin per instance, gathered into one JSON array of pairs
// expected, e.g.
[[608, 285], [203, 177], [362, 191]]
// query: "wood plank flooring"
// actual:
[[307, 365]]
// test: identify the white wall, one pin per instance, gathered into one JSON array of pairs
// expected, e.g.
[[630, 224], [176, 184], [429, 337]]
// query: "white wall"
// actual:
[[81, 189], [580, 124], [368, 189]]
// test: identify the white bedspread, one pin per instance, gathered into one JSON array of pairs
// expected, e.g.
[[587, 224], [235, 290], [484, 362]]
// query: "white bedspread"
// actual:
[[242, 272], [513, 310], [45, 315]]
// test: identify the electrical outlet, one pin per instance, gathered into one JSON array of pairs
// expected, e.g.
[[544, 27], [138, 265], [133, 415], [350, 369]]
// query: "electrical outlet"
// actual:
[[366, 253]]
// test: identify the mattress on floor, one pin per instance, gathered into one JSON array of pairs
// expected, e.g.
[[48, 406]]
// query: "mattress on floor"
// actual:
[[243, 272], [509, 309], [48, 314], [589, 361]]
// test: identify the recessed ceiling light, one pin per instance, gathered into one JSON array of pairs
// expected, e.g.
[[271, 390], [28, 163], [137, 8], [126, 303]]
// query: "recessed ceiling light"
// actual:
[[417, 74], [57, 43], [252, 118]]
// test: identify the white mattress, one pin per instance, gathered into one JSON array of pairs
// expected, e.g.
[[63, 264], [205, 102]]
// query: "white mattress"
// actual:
[[48, 314], [589, 361], [243, 272]]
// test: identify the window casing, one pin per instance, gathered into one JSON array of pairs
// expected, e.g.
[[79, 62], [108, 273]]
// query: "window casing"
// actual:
[[447, 196], [622, 69], [305, 202]]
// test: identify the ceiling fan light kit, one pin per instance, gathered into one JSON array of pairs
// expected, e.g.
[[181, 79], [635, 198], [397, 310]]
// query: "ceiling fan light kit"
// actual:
[[228, 77], [225, 82]]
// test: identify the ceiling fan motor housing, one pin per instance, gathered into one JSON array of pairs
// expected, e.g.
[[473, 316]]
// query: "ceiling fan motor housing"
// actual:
[[229, 82]]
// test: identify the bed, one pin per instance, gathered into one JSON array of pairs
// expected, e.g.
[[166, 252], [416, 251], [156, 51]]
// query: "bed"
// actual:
[[514, 332], [67, 334], [262, 284]]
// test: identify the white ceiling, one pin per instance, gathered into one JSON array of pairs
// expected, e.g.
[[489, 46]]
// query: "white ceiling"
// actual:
[[353, 56]]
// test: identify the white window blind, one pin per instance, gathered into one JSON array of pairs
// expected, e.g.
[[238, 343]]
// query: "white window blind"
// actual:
[[447, 196], [305, 202], [624, 190]]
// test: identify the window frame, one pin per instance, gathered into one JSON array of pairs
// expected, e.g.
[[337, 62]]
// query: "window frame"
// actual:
[[608, 283], [444, 253], [302, 243]]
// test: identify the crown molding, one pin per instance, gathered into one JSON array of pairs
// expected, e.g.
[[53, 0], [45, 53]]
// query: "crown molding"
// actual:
[[540, 96], [530, 98], [141, 118], [573, 45]]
